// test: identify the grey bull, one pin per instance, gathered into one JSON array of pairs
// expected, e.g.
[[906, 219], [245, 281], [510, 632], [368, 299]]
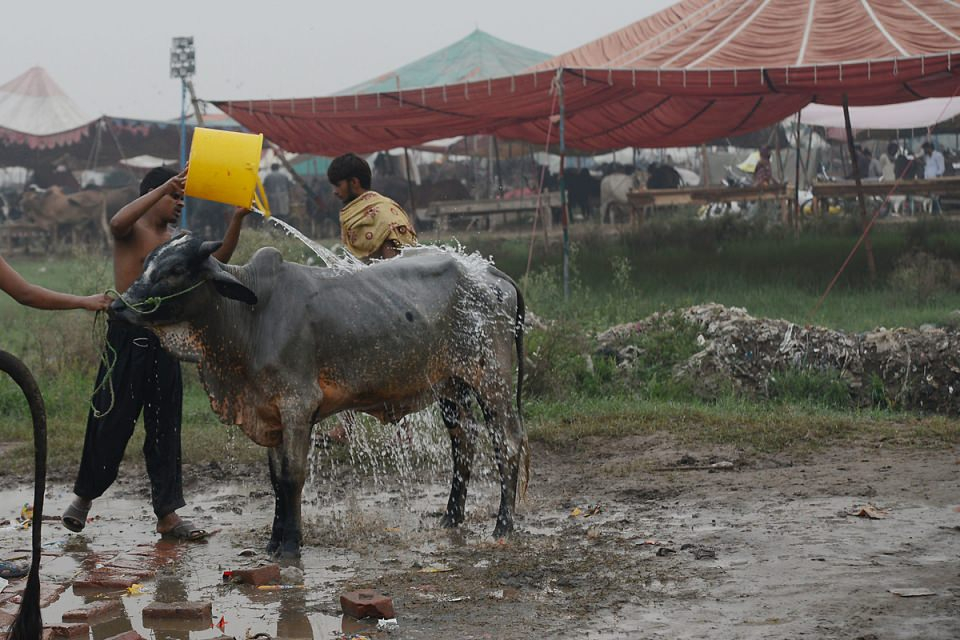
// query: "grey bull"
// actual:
[[281, 346]]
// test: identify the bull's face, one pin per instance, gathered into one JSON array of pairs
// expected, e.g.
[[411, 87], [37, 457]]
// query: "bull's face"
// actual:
[[172, 285]]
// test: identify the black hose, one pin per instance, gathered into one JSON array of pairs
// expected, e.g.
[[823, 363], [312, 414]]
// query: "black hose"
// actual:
[[28, 624]]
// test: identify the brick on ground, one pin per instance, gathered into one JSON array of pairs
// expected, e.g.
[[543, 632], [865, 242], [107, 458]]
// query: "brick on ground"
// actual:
[[267, 574], [366, 603], [105, 580], [179, 610], [49, 593], [6, 618], [99, 610], [75, 630], [134, 563]]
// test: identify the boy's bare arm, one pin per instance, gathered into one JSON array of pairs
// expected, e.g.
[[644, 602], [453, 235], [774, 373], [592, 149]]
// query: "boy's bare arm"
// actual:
[[121, 224], [232, 236]]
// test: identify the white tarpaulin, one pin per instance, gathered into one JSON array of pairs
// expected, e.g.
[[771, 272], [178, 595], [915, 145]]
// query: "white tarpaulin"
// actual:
[[147, 162], [32, 103], [907, 115]]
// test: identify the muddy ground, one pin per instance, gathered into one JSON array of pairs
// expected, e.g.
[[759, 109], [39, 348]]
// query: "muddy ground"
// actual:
[[618, 538]]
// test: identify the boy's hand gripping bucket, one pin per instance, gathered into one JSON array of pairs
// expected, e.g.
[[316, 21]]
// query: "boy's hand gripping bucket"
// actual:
[[224, 167]]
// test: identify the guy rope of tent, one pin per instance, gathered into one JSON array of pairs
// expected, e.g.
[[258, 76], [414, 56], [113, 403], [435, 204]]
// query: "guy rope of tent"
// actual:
[[539, 209], [864, 237]]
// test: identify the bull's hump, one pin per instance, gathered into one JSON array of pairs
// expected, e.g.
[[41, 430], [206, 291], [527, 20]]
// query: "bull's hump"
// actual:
[[421, 265]]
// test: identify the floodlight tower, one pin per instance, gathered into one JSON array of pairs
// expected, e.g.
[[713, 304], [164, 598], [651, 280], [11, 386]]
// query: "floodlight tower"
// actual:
[[182, 66]]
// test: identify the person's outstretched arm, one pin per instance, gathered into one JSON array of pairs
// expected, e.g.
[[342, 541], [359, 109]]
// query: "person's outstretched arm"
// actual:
[[32, 295], [232, 236]]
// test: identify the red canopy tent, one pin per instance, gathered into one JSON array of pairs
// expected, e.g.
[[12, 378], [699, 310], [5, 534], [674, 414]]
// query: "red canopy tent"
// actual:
[[696, 71]]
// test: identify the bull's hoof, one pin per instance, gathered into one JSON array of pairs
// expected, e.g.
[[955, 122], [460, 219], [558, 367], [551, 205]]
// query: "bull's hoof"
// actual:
[[272, 546], [283, 551], [503, 529]]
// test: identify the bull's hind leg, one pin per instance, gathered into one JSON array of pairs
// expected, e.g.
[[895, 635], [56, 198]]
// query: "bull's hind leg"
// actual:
[[456, 416], [509, 445]]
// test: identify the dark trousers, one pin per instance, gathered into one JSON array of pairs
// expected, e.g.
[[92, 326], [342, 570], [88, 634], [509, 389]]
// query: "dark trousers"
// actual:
[[147, 378]]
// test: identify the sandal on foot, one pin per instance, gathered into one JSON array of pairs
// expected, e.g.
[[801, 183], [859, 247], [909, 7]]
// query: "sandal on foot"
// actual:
[[75, 517], [184, 532]]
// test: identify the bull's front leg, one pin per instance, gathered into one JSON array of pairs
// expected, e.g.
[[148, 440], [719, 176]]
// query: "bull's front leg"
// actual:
[[288, 471]]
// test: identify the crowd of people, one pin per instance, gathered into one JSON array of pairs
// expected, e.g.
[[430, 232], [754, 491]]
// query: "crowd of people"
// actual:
[[896, 162]]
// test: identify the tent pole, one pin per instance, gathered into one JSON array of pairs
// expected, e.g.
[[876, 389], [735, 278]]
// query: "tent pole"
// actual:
[[563, 191], [406, 163], [868, 245], [496, 154], [776, 146], [796, 185], [183, 142], [704, 165]]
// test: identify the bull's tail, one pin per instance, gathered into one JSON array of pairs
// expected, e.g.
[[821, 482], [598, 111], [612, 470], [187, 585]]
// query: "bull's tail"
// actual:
[[28, 624], [525, 445], [518, 333], [519, 320]]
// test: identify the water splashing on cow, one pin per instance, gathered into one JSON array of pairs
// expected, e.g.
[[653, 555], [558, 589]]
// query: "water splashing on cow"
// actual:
[[343, 262], [280, 346]]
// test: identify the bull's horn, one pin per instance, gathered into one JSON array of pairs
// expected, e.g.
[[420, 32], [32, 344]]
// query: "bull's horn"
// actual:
[[208, 247]]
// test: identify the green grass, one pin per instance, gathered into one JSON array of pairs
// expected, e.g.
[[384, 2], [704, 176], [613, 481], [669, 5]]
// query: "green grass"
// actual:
[[615, 278], [775, 275], [754, 426]]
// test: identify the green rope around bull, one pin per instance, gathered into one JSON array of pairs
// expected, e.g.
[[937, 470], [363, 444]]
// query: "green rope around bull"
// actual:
[[108, 355]]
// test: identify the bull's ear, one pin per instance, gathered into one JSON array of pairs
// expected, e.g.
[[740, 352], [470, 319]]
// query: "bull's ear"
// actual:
[[229, 287], [208, 247]]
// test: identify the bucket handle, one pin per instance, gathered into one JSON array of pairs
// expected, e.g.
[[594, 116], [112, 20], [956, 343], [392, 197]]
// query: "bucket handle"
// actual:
[[262, 206]]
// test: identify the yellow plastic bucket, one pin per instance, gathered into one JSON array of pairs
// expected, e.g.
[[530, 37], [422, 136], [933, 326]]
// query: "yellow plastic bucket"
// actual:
[[224, 167]]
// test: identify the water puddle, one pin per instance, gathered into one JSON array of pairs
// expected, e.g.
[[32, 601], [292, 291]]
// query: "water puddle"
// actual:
[[194, 573]]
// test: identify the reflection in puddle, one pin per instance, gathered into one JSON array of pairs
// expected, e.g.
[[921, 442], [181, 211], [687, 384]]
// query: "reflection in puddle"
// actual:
[[194, 573]]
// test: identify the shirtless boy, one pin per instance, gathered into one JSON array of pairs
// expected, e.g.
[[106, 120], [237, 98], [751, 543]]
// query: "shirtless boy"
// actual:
[[143, 376]]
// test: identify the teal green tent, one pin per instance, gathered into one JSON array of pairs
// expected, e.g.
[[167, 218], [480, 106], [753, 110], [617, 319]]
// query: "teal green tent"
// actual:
[[476, 57], [310, 165]]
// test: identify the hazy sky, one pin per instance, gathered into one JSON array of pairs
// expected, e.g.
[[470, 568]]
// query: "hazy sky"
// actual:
[[112, 56]]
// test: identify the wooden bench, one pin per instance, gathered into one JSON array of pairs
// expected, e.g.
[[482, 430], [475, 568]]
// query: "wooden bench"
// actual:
[[706, 195], [442, 212], [22, 237], [949, 186]]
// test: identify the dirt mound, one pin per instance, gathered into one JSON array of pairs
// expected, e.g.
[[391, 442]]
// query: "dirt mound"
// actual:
[[902, 368]]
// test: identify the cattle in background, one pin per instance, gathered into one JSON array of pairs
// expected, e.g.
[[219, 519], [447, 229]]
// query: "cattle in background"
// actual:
[[83, 216], [663, 176], [439, 191], [386, 339], [394, 187], [442, 190], [583, 190], [613, 195]]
